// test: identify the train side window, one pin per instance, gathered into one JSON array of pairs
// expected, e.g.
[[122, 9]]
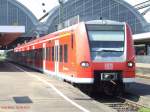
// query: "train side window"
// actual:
[[65, 53], [38, 54], [72, 40], [57, 53], [60, 53], [30, 54], [47, 53], [52, 53], [33, 54], [41, 53]]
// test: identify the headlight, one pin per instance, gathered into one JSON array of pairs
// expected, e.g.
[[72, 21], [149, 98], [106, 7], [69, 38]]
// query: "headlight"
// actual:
[[130, 64], [85, 64]]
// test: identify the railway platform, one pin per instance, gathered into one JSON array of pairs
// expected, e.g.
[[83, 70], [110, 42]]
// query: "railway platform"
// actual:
[[143, 70], [24, 90], [141, 87], [141, 91]]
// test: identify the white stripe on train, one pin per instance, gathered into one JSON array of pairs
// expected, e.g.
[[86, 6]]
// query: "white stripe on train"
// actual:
[[81, 80]]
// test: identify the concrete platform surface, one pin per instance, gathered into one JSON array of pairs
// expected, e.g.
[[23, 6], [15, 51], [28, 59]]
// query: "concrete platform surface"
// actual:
[[143, 70], [24, 90], [143, 65], [141, 88]]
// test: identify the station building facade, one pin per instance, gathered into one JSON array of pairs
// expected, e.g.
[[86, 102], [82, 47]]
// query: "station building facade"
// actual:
[[17, 21], [13, 13], [117, 10]]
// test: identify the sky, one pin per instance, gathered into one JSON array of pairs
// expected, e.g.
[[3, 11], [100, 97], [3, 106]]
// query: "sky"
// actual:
[[37, 8]]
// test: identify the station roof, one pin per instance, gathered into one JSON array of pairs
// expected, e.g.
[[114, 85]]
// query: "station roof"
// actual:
[[142, 38], [117, 10], [15, 21], [12, 29]]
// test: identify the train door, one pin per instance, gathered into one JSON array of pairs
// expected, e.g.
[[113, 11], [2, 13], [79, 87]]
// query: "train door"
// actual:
[[56, 55], [44, 56]]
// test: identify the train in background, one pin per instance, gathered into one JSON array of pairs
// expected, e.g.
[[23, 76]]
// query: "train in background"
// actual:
[[97, 53]]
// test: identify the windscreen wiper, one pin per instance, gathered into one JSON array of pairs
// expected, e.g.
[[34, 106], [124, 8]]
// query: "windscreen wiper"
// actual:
[[105, 50]]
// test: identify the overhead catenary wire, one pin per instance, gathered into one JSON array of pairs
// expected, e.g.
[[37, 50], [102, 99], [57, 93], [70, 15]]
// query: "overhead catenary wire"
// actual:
[[141, 3]]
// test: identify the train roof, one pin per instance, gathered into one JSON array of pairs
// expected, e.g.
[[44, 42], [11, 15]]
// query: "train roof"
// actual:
[[68, 29], [105, 22]]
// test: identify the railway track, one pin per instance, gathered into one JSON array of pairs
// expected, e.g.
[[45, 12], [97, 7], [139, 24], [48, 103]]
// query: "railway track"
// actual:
[[125, 105], [120, 104]]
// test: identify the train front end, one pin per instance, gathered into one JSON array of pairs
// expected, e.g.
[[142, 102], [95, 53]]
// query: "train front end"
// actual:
[[112, 55]]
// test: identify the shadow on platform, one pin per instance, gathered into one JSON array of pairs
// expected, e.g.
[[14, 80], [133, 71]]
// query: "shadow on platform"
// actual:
[[140, 89], [133, 93], [6, 67]]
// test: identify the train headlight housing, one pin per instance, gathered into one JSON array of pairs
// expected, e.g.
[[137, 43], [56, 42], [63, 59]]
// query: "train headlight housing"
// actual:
[[85, 64], [130, 64]]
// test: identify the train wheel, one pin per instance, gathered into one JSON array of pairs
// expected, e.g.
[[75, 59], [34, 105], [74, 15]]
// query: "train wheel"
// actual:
[[120, 89], [109, 88], [113, 89]]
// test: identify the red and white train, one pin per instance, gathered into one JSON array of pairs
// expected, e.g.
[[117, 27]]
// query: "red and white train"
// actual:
[[98, 53]]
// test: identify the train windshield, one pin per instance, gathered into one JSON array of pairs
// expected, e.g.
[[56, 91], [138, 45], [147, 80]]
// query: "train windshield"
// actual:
[[107, 44]]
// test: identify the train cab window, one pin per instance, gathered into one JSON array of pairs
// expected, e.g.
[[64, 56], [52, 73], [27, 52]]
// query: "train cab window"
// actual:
[[60, 53], [47, 53], [106, 41], [52, 53], [65, 53]]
